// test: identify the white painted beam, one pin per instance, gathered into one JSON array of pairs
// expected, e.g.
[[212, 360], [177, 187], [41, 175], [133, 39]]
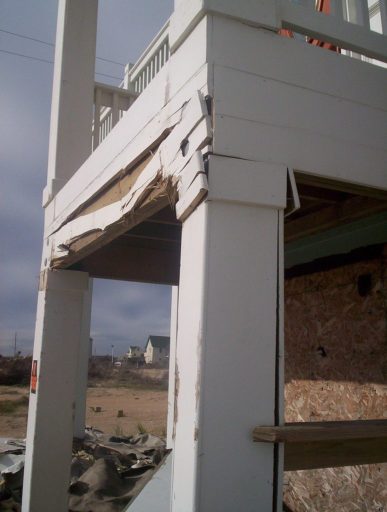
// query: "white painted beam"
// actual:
[[305, 106], [229, 353], [62, 303], [188, 13], [72, 93]]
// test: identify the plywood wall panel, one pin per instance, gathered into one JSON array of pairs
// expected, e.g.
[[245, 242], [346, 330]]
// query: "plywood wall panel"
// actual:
[[336, 369]]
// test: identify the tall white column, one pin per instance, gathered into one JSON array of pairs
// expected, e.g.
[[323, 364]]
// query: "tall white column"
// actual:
[[229, 342], [172, 364], [72, 92], [83, 366], [62, 299]]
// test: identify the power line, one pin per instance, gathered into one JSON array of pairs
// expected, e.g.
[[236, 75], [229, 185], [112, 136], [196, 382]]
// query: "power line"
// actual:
[[26, 37], [52, 44], [52, 62], [112, 61], [109, 76], [27, 56]]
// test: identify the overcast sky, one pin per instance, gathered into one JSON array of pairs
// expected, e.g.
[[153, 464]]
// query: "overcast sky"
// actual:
[[123, 313]]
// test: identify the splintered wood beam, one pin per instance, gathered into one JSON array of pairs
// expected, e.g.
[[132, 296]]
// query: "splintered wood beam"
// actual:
[[331, 216], [328, 444], [168, 176]]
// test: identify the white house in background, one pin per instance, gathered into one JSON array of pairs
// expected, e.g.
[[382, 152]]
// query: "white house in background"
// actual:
[[134, 352], [157, 349]]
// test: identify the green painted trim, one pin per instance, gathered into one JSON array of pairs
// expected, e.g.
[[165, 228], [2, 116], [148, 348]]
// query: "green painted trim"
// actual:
[[340, 240]]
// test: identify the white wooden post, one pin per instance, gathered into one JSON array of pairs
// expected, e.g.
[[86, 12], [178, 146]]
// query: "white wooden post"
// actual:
[[83, 366], [97, 118], [115, 109], [229, 337], [72, 92], [172, 364], [59, 334]]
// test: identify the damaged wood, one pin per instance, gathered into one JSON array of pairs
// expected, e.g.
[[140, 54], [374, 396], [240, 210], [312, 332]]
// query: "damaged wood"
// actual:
[[149, 187]]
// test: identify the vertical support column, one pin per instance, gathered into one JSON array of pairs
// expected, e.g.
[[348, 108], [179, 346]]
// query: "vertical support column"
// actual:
[[59, 331], [83, 366], [72, 92], [228, 355], [172, 364]]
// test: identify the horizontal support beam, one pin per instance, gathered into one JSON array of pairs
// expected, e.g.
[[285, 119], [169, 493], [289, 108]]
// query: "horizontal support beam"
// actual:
[[302, 432], [331, 216], [130, 260], [313, 445], [125, 97]]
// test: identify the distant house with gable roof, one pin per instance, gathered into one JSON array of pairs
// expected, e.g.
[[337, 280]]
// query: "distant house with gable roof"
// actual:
[[135, 353], [157, 349]]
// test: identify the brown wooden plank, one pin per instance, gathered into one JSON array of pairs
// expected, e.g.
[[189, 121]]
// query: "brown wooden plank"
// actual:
[[321, 431], [328, 444]]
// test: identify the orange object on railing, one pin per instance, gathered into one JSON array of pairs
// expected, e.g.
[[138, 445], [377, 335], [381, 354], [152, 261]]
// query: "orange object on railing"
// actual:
[[321, 6], [325, 7]]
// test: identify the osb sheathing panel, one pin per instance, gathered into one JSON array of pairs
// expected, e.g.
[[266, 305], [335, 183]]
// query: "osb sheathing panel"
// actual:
[[336, 369]]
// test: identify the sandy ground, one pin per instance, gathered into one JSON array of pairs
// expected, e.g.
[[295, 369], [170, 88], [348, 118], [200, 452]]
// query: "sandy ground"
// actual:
[[142, 409]]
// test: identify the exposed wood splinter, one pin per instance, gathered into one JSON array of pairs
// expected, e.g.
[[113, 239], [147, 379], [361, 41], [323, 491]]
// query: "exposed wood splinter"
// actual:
[[150, 186]]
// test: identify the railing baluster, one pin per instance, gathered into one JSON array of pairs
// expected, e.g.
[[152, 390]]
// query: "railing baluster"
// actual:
[[337, 9], [165, 53], [357, 11], [115, 113], [97, 111], [383, 15], [364, 14]]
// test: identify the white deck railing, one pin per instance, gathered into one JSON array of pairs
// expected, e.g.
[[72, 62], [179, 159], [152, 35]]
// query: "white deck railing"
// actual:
[[139, 76], [355, 25], [359, 27], [110, 102]]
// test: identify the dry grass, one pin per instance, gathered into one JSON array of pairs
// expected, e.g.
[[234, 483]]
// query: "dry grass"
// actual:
[[12, 406]]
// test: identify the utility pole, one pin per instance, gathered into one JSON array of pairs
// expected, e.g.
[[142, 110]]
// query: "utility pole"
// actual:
[[14, 345], [112, 354]]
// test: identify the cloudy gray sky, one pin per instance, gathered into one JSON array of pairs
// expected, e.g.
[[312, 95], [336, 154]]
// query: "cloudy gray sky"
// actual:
[[123, 313]]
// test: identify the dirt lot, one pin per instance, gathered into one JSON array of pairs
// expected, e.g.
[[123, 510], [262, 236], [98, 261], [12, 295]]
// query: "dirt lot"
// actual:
[[143, 409]]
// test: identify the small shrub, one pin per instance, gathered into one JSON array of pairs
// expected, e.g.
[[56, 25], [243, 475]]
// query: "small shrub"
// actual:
[[15, 371], [10, 406]]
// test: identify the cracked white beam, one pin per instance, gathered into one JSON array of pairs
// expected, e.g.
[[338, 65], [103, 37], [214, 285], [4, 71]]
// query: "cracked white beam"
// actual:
[[141, 129], [178, 155]]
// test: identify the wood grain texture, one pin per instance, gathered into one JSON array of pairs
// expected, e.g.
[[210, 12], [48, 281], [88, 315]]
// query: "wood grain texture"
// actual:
[[322, 431]]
